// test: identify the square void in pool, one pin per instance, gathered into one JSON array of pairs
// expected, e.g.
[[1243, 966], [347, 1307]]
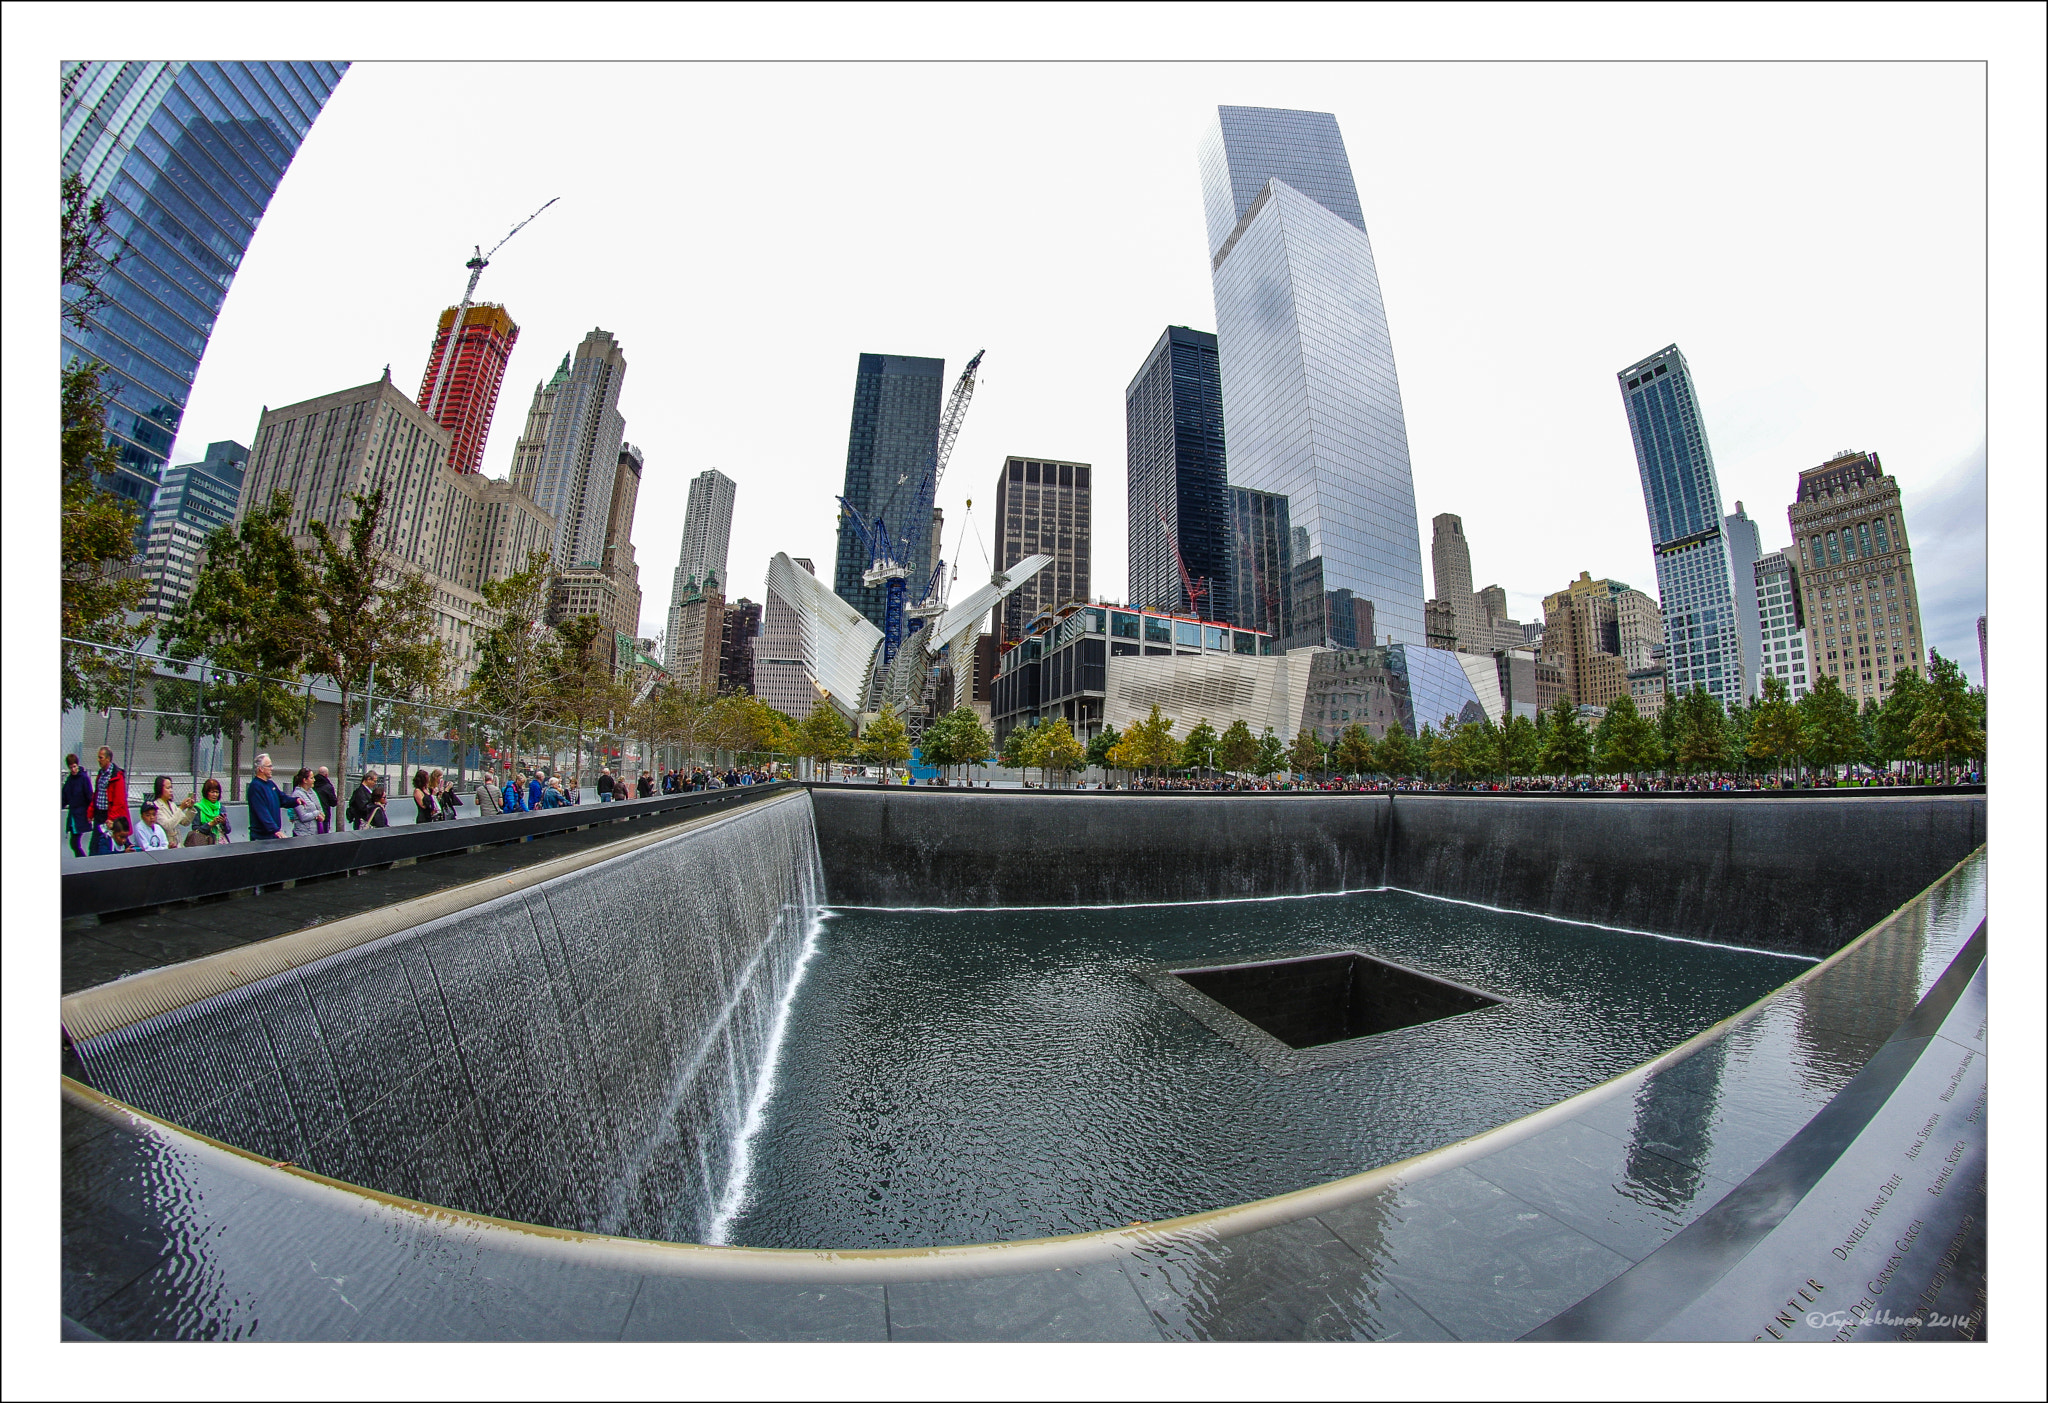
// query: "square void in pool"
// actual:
[[1325, 1006]]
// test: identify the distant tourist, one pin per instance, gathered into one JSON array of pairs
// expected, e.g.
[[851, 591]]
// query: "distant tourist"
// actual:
[[514, 793], [169, 812], [109, 798], [305, 805], [114, 836], [266, 803], [488, 804], [646, 786], [149, 834], [77, 804], [604, 786], [209, 823], [423, 798], [446, 800], [379, 818], [536, 792], [362, 800], [323, 785]]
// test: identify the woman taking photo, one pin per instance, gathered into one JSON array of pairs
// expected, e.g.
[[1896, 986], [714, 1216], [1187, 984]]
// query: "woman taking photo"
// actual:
[[305, 805], [423, 798], [208, 824], [171, 816]]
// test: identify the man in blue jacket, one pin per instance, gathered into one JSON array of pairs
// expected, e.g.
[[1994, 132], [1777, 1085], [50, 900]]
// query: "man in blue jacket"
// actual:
[[535, 793], [514, 796], [266, 802]]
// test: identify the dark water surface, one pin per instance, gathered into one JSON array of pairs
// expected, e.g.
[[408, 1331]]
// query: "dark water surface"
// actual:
[[989, 1075]]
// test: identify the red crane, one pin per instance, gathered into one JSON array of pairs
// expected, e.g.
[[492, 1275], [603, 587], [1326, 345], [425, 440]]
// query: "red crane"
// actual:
[[1196, 592]]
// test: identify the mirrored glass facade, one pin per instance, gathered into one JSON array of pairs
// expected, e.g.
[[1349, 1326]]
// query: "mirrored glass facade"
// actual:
[[1375, 687], [1311, 400], [1174, 478], [1695, 577], [1262, 555], [889, 451], [186, 157]]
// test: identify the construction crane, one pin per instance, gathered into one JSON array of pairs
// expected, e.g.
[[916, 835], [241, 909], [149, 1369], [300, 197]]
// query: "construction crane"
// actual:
[[1196, 592], [886, 570], [476, 266]]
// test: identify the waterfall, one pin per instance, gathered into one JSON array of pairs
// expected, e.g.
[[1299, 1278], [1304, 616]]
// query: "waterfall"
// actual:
[[593, 1052]]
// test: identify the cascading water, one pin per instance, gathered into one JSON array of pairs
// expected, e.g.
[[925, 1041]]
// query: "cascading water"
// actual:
[[593, 1053]]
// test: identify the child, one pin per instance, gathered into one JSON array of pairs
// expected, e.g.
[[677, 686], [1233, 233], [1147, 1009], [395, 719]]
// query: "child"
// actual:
[[149, 834], [118, 839]]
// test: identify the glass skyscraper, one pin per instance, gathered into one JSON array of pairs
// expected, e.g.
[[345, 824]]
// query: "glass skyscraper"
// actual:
[[1311, 401], [1174, 477], [889, 451], [186, 156], [1695, 581]]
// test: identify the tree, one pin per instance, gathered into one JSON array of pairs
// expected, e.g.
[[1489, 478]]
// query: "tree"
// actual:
[[583, 688], [1238, 750], [1567, 747], [1198, 751], [1625, 741], [518, 657], [824, 736], [1828, 732], [360, 612], [1055, 748], [1307, 753], [1016, 751], [1396, 751], [1702, 732], [946, 742], [99, 586], [1099, 748], [887, 740], [1353, 751], [1773, 726], [1272, 755], [1148, 745], [1947, 724], [1895, 718], [242, 617], [1518, 746]]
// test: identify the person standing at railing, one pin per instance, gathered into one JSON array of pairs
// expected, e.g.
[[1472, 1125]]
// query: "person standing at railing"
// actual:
[[323, 785], [109, 800], [514, 794], [207, 823], [305, 814], [77, 804], [362, 801], [536, 793], [170, 813], [425, 810], [488, 805], [266, 803], [604, 786]]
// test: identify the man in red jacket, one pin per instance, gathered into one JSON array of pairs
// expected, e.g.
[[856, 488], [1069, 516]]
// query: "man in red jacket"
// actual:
[[109, 797]]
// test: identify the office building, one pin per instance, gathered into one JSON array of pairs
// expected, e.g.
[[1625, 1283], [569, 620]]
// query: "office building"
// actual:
[[890, 449], [1043, 506], [570, 468], [1174, 477], [186, 157], [619, 560], [364, 440], [503, 530], [1780, 623], [1855, 575], [707, 532], [1440, 625], [1261, 562], [697, 641], [742, 624], [834, 644], [195, 500], [1450, 563], [467, 388], [1311, 401], [1688, 536], [780, 678], [1585, 636], [1745, 547]]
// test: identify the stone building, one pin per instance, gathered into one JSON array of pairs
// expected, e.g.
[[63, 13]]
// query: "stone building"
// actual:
[[1855, 575]]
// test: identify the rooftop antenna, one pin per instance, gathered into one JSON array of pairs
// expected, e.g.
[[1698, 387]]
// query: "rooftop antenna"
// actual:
[[476, 266]]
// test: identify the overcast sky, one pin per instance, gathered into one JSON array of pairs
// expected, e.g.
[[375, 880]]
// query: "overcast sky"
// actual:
[[1812, 236]]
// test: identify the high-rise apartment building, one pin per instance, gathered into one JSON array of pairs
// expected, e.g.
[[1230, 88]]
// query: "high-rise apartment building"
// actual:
[[1745, 548], [572, 467], [1780, 623], [1855, 575], [1599, 632], [195, 500], [1262, 562], [186, 157], [619, 560], [890, 449], [463, 397], [1043, 507], [1311, 401], [1450, 563], [1174, 477], [707, 531], [1695, 580]]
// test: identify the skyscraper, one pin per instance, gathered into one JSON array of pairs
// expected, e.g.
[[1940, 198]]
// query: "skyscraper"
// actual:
[[1781, 633], [1695, 581], [1042, 507], [195, 500], [1450, 563], [1855, 574], [1174, 477], [571, 473], [1261, 561], [470, 396], [707, 531], [1745, 548], [890, 447], [186, 156], [1310, 397]]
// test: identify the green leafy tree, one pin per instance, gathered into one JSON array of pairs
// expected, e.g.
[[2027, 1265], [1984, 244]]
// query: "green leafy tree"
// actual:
[[1702, 732], [1948, 726], [886, 740], [1272, 756], [1016, 751], [519, 655], [1198, 751], [1148, 745], [1828, 731], [1238, 750], [824, 736], [1353, 752], [584, 689], [1518, 746], [361, 612], [1567, 745], [1625, 741], [1895, 718], [1773, 726], [1396, 752], [1426, 752], [1105, 740], [242, 618], [957, 738], [1307, 754], [1057, 751]]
